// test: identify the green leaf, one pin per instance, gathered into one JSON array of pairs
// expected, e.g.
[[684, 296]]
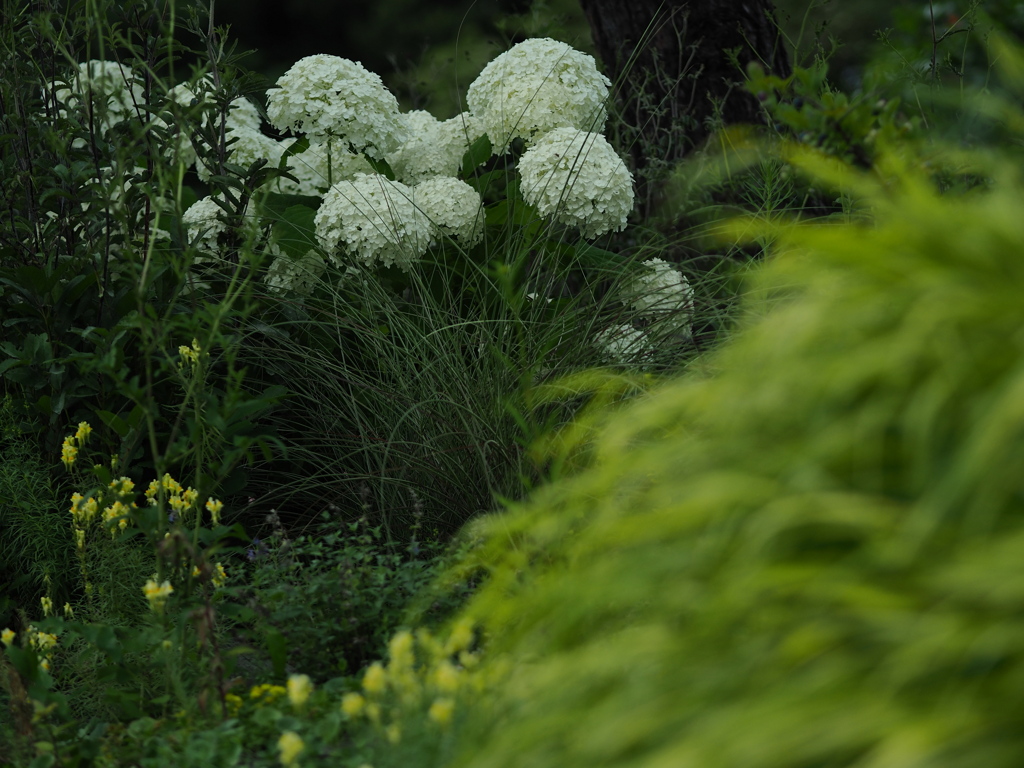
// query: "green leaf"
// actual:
[[295, 231], [277, 647], [381, 167], [115, 422], [296, 147], [480, 152]]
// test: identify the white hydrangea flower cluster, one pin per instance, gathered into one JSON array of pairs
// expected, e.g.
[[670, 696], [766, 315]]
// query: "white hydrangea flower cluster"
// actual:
[[373, 219], [327, 96], [426, 152], [246, 142], [300, 275], [623, 345], [661, 294], [537, 86], [310, 168], [112, 88], [203, 219], [453, 207], [576, 178]]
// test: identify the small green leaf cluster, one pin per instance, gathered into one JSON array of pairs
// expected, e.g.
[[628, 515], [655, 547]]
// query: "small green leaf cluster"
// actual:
[[327, 601]]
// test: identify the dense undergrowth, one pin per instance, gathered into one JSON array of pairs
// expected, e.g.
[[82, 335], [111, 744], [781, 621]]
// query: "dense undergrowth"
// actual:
[[339, 435]]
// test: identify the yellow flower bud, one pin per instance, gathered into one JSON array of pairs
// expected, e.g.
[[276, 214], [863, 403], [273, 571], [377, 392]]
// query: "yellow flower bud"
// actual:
[[299, 688], [375, 680], [290, 745], [441, 711], [352, 704]]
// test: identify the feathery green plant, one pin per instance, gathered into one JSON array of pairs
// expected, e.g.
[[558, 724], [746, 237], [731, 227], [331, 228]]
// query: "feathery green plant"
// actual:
[[807, 558]]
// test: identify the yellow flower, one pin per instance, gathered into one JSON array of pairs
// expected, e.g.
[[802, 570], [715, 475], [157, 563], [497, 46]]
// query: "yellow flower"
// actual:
[[400, 651], [461, 637], [68, 452], [375, 679], [233, 702], [352, 704], [157, 594], [220, 576], [122, 485], [441, 711], [84, 430], [43, 642], [446, 677], [47, 606], [80, 538], [214, 507], [290, 746], [299, 688], [69, 611], [269, 693], [7, 637]]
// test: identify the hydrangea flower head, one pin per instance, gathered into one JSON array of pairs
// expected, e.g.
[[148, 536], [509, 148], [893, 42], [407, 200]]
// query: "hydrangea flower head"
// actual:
[[110, 88], [576, 178], [423, 154], [537, 86], [204, 219], [453, 207], [661, 293], [295, 275], [327, 96], [375, 220], [623, 345]]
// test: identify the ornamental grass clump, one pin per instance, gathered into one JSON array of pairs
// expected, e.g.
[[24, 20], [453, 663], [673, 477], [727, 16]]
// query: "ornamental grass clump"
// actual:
[[811, 557]]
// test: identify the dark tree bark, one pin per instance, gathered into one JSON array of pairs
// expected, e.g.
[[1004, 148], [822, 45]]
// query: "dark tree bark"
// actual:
[[678, 68]]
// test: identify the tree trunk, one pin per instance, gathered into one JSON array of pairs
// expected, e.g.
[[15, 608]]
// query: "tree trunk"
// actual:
[[678, 68]]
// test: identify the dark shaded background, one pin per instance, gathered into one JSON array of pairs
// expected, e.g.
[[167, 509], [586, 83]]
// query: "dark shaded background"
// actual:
[[428, 51]]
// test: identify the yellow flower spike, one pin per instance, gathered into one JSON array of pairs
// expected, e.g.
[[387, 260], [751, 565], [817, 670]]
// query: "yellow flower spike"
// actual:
[[375, 680], [69, 612], [157, 594], [47, 604], [68, 452], [151, 492], [290, 746], [299, 689], [191, 495], [214, 507], [84, 430], [352, 704], [80, 538], [7, 637], [441, 711], [461, 637], [400, 651], [220, 576], [446, 677], [234, 703]]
